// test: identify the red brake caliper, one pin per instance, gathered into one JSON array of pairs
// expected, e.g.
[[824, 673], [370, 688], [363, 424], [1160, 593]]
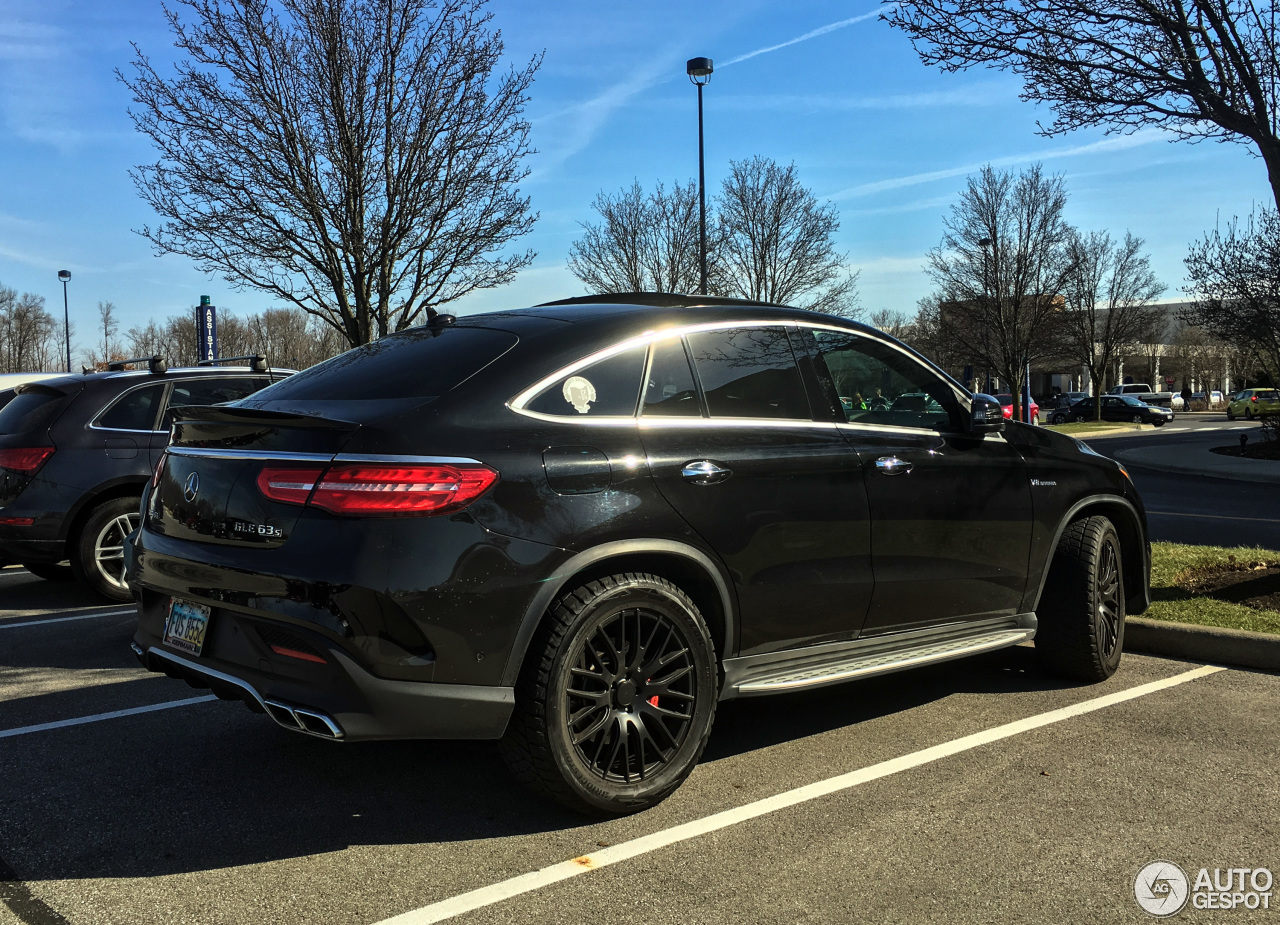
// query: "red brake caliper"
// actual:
[[653, 701]]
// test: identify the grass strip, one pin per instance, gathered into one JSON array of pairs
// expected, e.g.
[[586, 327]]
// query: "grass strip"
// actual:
[[1173, 565]]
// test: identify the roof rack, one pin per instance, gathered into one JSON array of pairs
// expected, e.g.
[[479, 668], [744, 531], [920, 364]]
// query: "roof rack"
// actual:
[[257, 361], [155, 364], [658, 300]]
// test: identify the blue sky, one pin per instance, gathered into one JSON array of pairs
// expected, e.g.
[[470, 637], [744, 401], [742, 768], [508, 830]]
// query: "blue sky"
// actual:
[[823, 84]]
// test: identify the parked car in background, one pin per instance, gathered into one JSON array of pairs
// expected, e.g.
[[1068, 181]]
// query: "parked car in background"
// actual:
[[1144, 393], [1124, 408], [1252, 403], [1006, 402], [1058, 408], [578, 527], [75, 452]]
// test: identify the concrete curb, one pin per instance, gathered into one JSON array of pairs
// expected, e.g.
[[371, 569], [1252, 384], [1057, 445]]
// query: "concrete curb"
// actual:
[[1201, 461], [1213, 644]]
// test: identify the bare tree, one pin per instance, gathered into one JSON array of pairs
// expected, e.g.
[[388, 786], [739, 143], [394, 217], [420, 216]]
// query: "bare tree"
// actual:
[[642, 243], [929, 334], [893, 323], [109, 325], [1001, 270], [1201, 68], [775, 241], [28, 333], [1109, 295], [356, 158], [288, 337], [1235, 281]]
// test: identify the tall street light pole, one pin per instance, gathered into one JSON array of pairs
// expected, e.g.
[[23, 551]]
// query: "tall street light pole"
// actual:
[[699, 71], [986, 243], [65, 275]]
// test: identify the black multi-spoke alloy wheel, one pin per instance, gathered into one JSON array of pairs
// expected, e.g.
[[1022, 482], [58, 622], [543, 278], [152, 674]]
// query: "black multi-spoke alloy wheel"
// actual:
[[617, 696], [97, 554], [1081, 612]]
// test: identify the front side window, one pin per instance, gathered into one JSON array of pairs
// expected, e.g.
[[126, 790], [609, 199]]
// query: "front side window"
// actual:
[[134, 410], [607, 388], [749, 373], [877, 384]]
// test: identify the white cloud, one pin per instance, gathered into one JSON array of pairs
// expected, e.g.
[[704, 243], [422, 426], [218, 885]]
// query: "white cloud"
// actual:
[[1144, 137], [981, 95], [821, 30]]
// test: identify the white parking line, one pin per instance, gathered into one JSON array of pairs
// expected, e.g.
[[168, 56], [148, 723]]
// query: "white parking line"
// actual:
[[527, 883], [83, 616], [99, 717]]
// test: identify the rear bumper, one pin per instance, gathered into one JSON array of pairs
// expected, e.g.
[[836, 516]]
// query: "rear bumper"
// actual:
[[362, 707], [15, 547]]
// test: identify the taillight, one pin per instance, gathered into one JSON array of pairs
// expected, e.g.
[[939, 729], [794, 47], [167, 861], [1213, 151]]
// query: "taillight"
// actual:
[[25, 459], [1253, 398], [155, 476], [379, 490], [387, 490], [292, 486]]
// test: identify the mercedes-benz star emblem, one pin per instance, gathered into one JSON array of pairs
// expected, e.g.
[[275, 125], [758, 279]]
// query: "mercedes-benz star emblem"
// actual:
[[191, 487]]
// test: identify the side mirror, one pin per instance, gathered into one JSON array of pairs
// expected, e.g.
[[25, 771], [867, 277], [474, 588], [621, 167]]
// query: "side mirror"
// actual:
[[987, 416]]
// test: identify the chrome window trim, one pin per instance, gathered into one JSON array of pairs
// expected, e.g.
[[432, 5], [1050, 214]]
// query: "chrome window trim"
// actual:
[[167, 384], [656, 422], [164, 403], [407, 460], [901, 429], [201, 452], [647, 338]]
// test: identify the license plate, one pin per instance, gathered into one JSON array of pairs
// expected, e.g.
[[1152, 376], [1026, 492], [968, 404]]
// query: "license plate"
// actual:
[[186, 626]]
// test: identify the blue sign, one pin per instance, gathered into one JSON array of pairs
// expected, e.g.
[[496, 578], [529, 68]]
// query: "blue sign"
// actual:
[[207, 330]]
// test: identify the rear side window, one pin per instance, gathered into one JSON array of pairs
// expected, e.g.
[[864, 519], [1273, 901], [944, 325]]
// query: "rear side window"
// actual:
[[607, 388], [671, 391], [134, 410], [749, 373], [212, 391], [422, 363], [31, 410]]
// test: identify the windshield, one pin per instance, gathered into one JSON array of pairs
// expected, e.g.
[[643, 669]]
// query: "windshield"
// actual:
[[31, 409]]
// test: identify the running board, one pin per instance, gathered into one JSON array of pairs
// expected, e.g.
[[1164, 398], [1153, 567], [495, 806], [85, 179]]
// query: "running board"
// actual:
[[833, 663]]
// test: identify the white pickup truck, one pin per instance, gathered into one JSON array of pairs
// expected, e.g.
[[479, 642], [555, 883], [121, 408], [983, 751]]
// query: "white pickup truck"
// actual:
[[1143, 392]]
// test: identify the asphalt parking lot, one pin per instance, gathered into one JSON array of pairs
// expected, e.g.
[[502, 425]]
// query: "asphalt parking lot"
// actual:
[[204, 812]]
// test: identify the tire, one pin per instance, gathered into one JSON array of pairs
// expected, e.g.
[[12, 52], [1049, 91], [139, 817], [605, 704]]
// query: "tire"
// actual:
[[1159, 422], [578, 718], [1137, 419], [97, 556], [1230, 416], [1058, 419], [1081, 613], [1248, 414]]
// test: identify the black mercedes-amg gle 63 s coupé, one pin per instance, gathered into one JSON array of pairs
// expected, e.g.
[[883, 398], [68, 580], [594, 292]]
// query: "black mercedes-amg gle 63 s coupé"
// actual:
[[578, 527]]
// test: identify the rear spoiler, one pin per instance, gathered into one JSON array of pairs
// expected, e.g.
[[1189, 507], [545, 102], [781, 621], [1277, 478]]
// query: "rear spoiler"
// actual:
[[228, 414]]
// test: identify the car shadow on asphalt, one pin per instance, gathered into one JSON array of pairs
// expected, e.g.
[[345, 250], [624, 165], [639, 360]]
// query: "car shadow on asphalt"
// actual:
[[22, 592], [212, 786]]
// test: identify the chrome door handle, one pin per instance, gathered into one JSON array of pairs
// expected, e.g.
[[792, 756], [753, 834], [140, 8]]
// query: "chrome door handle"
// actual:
[[892, 465], [704, 472]]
